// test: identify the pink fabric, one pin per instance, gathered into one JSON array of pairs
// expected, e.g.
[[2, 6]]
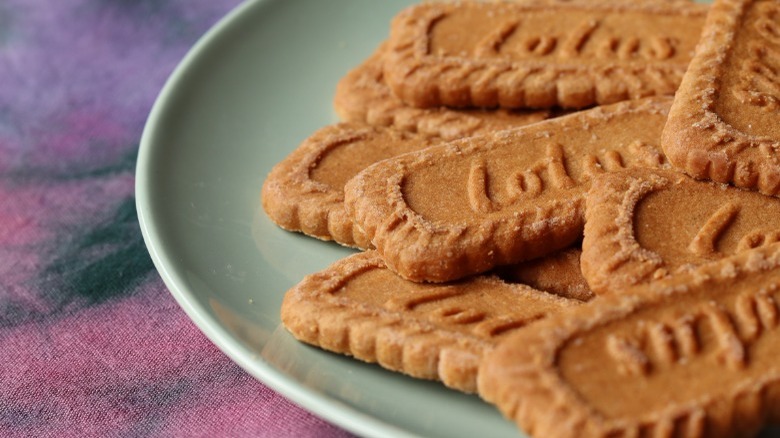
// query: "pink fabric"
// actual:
[[92, 343]]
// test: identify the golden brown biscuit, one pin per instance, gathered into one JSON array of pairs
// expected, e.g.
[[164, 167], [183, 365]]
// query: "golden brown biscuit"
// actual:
[[359, 308], [643, 225], [305, 191], [466, 206], [692, 356], [539, 54], [725, 124], [362, 96], [558, 273]]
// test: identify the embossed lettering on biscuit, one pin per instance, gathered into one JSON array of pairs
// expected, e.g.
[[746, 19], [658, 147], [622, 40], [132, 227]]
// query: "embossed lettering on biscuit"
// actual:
[[725, 124], [644, 225], [691, 356], [526, 54], [466, 206], [358, 307], [362, 96]]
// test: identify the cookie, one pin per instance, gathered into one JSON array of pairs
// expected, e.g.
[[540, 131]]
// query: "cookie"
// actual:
[[305, 191], [643, 225], [692, 356], [539, 54], [440, 332], [724, 124], [466, 206], [362, 96], [559, 273]]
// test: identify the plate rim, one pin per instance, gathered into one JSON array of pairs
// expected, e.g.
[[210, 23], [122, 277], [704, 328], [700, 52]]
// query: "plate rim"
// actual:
[[319, 404]]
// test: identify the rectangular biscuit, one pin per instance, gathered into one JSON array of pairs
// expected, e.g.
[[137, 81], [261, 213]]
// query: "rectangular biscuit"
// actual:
[[692, 356], [305, 191], [724, 124], [362, 96], [539, 54], [466, 206], [643, 225], [359, 308]]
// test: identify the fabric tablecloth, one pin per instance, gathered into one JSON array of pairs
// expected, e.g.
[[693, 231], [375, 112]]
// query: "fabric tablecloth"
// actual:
[[92, 343]]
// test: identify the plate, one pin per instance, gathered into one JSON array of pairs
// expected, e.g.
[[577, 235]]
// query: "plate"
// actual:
[[246, 95]]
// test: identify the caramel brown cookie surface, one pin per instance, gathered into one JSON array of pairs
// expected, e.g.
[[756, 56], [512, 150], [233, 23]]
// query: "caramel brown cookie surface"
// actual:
[[643, 225], [466, 206], [696, 356], [539, 54], [362, 96], [358, 307], [305, 192], [725, 124], [558, 273]]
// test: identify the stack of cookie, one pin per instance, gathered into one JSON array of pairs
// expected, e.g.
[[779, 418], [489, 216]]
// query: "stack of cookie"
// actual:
[[563, 208]]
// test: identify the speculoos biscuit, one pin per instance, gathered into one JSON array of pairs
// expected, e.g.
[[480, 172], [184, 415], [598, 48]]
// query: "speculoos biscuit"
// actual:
[[429, 331], [725, 121], [694, 355], [643, 225], [532, 54], [362, 96], [305, 191], [559, 273], [466, 206]]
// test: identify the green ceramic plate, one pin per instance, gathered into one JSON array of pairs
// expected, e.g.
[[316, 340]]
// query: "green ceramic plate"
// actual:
[[245, 96]]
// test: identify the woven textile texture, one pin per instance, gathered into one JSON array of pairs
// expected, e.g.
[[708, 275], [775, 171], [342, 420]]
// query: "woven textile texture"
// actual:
[[91, 342]]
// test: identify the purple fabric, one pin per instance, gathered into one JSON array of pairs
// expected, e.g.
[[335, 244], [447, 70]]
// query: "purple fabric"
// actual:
[[91, 342]]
